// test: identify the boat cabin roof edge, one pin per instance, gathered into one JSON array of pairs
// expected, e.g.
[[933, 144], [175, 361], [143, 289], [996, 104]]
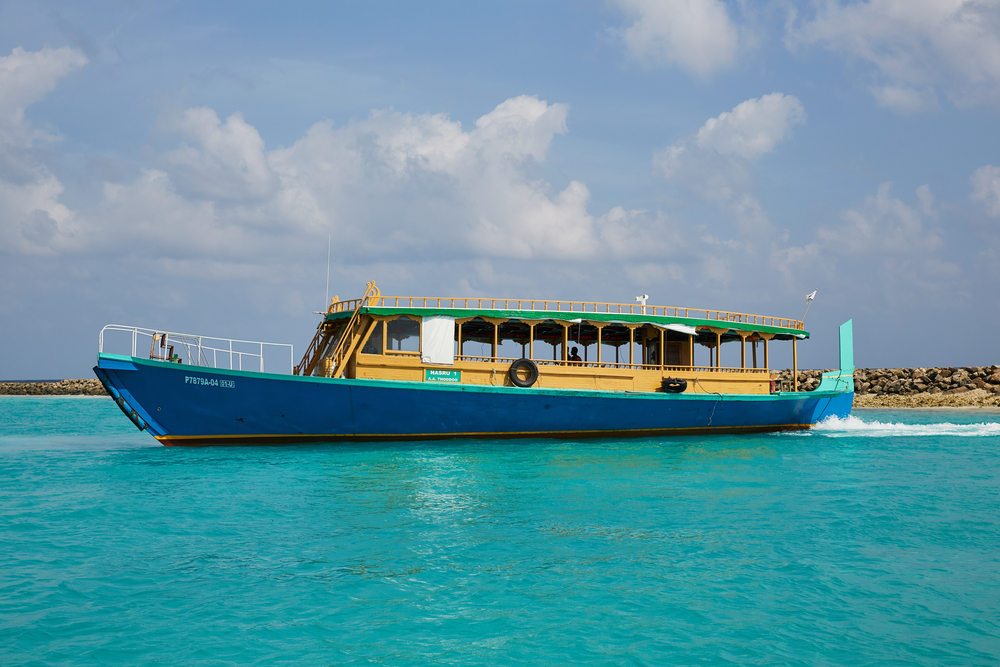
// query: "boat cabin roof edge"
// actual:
[[569, 316]]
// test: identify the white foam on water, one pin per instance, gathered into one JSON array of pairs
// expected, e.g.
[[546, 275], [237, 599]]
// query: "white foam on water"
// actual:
[[855, 426]]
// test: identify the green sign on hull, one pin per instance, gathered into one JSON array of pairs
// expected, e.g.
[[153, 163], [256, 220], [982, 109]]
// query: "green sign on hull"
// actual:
[[434, 375]]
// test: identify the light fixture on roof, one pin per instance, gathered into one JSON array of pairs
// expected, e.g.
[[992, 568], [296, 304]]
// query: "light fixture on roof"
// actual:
[[642, 300]]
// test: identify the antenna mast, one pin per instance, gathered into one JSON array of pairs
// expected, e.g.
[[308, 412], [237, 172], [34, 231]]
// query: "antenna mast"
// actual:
[[326, 304]]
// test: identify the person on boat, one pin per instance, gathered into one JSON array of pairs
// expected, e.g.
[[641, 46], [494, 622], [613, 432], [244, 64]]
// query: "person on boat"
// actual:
[[573, 356]]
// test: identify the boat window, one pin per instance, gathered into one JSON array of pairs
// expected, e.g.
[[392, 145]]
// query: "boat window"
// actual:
[[513, 336], [648, 340], [477, 339], [548, 341], [374, 342], [676, 349], [583, 336], [403, 335], [614, 344], [672, 354]]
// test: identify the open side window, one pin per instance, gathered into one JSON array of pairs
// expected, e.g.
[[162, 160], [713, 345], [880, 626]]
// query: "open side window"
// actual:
[[376, 340], [402, 336]]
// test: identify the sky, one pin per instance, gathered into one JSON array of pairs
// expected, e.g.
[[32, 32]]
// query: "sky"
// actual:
[[183, 166]]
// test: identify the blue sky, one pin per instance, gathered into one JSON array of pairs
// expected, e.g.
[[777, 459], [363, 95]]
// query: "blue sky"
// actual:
[[181, 165]]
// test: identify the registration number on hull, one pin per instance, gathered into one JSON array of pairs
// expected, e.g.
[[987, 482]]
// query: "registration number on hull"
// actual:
[[210, 382]]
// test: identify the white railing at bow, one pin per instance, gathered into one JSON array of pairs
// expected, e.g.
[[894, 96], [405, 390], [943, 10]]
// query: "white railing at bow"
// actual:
[[196, 350]]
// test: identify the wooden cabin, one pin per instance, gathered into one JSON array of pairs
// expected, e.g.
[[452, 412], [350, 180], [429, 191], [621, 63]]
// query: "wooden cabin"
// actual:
[[621, 347]]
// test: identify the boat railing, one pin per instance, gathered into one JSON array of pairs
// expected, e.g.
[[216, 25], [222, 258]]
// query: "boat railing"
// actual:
[[611, 364], [581, 307], [197, 350]]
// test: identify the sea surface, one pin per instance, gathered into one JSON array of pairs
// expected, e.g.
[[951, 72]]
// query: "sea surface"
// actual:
[[869, 541]]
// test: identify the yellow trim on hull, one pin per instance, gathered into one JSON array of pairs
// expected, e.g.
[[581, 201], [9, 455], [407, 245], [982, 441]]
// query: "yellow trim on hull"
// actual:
[[195, 440]]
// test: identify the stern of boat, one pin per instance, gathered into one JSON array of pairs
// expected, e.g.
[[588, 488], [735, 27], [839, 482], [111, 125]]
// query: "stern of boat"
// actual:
[[841, 380]]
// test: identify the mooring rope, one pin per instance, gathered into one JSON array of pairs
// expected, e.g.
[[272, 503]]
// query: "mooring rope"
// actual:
[[714, 405]]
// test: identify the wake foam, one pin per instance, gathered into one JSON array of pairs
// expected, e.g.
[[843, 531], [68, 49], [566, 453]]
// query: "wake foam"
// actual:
[[855, 426]]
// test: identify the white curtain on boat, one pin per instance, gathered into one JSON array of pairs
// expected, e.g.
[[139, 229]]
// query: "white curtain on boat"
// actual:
[[437, 341]]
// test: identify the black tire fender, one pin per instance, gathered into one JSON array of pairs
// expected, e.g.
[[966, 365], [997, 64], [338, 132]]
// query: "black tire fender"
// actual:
[[517, 366], [674, 385]]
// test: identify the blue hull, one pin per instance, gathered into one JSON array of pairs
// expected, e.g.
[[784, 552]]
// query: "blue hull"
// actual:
[[186, 405]]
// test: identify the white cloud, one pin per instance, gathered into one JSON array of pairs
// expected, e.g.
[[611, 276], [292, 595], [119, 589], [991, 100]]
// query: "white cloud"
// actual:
[[986, 188], [916, 45], [150, 213], [883, 251], [25, 78], [228, 160], [32, 220], [716, 164], [904, 99], [926, 198], [884, 226], [521, 127], [421, 181], [753, 127], [696, 35], [391, 187]]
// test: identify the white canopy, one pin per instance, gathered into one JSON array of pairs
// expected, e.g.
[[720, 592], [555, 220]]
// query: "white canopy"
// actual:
[[681, 328]]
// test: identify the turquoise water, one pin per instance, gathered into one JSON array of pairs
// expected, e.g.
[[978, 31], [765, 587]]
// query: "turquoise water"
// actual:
[[874, 541]]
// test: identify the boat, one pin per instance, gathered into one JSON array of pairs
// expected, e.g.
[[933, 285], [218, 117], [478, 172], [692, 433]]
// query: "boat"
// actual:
[[384, 368]]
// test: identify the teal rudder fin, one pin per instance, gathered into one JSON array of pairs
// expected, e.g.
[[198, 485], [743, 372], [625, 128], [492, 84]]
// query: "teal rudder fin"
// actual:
[[847, 346], [842, 380]]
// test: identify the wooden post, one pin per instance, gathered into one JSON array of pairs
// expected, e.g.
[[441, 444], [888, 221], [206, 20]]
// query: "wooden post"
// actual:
[[767, 364], [753, 347], [565, 354], [631, 344], [599, 329], [795, 364], [496, 342], [531, 341], [459, 339], [663, 351], [718, 349], [691, 350]]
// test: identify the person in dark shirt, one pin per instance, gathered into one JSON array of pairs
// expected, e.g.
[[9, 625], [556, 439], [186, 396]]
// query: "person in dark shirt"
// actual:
[[573, 356]]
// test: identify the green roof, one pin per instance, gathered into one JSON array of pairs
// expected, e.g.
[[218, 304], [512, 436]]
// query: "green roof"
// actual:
[[566, 316]]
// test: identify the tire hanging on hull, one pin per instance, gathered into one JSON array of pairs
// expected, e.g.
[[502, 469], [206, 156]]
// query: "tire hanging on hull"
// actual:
[[514, 372], [674, 385]]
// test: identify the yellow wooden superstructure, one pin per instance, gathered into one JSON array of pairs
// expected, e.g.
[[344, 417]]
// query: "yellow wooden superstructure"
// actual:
[[382, 338]]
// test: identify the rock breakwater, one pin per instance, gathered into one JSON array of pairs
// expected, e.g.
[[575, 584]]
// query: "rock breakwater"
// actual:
[[61, 388], [917, 387]]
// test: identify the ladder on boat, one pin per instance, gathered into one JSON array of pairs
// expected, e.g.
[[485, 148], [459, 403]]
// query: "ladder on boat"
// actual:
[[319, 354]]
